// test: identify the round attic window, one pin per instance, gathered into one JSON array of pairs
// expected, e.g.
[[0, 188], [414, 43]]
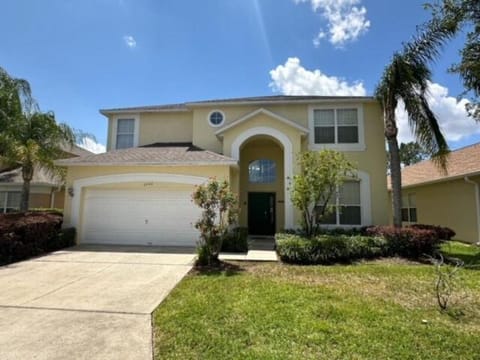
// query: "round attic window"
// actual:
[[216, 118]]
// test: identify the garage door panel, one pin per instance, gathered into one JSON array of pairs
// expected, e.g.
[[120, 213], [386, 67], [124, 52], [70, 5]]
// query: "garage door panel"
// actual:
[[137, 217]]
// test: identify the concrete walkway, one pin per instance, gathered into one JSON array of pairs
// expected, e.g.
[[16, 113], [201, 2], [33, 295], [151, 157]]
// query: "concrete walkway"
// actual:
[[86, 302]]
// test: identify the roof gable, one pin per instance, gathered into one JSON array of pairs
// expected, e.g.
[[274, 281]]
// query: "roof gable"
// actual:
[[264, 111]]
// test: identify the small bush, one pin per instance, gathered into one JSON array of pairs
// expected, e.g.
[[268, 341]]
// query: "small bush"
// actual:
[[407, 242], [328, 249], [236, 240], [443, 233], [23, 235]]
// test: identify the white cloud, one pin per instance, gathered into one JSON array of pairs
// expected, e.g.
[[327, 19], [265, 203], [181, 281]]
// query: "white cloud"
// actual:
[[293, 79], [451, 114], [130, 41], [91, 145], [346, 20]]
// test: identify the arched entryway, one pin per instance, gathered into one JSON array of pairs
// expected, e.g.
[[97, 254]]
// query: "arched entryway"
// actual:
[[265, 157]]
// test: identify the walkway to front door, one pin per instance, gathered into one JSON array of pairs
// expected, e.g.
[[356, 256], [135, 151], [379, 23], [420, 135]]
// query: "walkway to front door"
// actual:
[[261, 213]]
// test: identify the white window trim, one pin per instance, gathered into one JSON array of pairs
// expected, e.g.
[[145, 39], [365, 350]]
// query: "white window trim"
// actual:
[[210, 114], [360, 146], [365, 204], [136, 129], [3, 207]]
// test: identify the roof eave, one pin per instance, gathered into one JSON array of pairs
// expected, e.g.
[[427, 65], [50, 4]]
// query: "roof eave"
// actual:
[[444, 179], [177, 163], [269, 102]]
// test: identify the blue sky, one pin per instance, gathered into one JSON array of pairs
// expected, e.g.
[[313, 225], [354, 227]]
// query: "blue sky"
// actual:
[[80, 56]]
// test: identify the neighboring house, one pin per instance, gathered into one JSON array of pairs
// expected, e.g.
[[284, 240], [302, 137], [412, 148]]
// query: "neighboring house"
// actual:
[[46, 191], [139, 191], [447, 199]]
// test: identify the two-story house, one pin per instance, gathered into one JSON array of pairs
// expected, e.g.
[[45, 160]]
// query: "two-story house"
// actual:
[[139, 191]]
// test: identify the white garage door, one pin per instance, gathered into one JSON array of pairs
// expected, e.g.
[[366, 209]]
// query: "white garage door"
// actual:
[[136, 217]]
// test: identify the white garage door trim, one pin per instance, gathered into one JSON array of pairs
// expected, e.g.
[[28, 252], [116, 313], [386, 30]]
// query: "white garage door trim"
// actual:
[[137, 216], [78, 185]]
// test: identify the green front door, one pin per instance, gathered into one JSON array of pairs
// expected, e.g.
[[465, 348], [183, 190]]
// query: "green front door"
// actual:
[[261, 213]]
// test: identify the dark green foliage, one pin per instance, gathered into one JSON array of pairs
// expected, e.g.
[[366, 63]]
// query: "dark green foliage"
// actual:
[[236, 240], [328, 249], [23, 235]]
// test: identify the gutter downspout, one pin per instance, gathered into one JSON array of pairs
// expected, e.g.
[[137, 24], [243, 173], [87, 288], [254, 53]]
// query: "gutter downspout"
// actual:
[[477, 202]]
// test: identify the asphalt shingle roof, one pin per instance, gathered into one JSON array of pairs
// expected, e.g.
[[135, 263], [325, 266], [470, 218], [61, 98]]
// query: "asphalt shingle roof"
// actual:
[[253, 99], [154, 154], [461, 162]]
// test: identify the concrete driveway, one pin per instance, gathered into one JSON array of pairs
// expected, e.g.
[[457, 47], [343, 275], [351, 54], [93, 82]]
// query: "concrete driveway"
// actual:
[[90, 302]]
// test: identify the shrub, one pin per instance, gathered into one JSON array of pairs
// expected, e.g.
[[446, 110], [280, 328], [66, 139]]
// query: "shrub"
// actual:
[[407, 242], [443, 233], [328, 249], [236, 240], [23, 235]]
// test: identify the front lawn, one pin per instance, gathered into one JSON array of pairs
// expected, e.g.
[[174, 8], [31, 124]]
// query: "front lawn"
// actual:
[[382, 309]]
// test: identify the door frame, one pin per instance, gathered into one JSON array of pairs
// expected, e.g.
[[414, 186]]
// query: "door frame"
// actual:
[[274, 209]]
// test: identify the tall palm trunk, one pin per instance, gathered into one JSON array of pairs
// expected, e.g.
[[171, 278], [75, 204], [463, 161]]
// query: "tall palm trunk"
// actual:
[[391, 132], [27, 174]]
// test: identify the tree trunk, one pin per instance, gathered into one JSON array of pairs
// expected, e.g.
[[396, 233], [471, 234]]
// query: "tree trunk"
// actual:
[[27, 174], [391, 132]]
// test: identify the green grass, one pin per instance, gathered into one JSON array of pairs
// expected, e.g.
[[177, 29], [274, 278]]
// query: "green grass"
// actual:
[[382, 309], [469, 254]]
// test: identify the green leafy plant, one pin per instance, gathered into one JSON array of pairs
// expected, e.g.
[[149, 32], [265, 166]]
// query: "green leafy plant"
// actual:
[[220, 212], [315, 188]]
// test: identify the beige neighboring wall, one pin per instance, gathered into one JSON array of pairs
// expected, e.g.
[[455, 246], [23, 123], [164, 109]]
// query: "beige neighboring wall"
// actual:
[[448, 203], [83, 172]]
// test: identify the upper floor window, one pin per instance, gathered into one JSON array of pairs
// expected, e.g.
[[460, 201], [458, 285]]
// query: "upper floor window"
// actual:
[[339, 128], [336, 126], [409, 208], [216, 118], [262, 171], [125, 133], [9, 201], [347, 206]]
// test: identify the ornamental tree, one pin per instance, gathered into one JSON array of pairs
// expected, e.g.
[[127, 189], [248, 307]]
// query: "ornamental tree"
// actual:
[[219, 212], [314, 190]]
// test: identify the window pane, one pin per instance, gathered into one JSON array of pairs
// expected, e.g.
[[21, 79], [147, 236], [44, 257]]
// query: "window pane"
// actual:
[[413, 215], [262, 171], [328, 219], [13, 200], [350, 193], [347, 117], [124, 141], [323, 118], [350, 215], [2, 201], [348, 134], [404, 214], [125, 126], [324, 135], [216, 118]]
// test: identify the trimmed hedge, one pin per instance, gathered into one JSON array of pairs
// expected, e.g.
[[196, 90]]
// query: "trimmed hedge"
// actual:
[[443, 233], [236, 240], [23, 235], [407, 242], [328, 249]]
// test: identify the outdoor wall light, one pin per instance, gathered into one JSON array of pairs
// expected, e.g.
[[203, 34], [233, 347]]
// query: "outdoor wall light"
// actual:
[[70, 191]]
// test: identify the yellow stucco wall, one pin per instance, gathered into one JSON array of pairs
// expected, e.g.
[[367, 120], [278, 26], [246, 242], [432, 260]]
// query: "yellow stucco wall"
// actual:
[[450, 203], [165, 127]]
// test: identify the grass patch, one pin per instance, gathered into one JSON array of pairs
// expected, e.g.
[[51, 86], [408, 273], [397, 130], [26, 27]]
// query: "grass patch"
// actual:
[[469, 254], [370, 310]]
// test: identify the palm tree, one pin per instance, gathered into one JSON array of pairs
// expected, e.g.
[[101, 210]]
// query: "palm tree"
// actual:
[[30, 139], [406, 79]]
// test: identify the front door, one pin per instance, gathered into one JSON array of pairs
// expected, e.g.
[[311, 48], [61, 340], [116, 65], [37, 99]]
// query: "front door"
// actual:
[[261, 213]]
